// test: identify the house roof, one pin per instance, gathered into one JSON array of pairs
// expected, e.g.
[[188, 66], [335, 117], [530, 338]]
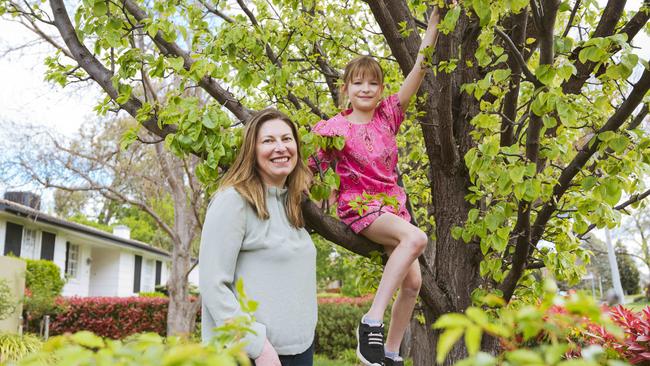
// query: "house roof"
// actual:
[[38, 216]]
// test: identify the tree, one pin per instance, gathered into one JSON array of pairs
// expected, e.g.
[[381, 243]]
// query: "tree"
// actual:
[[628, 270], [142, 183], [635, 232], [527, 128]]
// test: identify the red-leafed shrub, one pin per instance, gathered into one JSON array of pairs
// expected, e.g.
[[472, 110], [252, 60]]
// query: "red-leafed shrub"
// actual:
[[636, 326], [111, 317], [363, 300]]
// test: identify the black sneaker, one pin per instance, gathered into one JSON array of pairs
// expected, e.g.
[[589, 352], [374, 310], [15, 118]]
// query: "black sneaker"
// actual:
[[370, 344], [390, 362]]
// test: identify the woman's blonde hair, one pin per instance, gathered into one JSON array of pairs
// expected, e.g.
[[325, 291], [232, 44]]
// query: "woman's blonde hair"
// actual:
[[244, 176], [360, 66]]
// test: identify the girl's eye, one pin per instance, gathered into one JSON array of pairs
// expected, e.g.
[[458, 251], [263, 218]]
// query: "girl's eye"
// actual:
[[266, 141], [288, 139]]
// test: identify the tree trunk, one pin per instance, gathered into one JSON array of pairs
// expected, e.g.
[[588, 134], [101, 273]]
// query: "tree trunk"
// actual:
[[179, 313]]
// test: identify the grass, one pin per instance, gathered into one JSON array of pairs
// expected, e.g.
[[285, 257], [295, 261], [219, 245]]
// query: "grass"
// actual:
[[320, 360]]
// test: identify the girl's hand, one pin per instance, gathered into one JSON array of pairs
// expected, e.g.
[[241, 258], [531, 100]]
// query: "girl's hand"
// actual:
[[268, 357]]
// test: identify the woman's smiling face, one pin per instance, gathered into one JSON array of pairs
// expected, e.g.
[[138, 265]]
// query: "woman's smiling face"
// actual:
[[276, 152]]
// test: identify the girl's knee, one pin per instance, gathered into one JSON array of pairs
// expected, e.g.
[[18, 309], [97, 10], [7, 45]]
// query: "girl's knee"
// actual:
[[418, 241]]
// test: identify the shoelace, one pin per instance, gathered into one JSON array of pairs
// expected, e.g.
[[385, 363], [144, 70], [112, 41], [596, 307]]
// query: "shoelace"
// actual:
[[376, 339]]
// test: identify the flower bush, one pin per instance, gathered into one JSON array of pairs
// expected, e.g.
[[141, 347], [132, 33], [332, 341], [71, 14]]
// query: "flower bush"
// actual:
[[111, 317]]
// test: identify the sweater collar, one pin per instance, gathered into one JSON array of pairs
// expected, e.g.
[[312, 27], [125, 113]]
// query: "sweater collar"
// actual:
[[275, 191]]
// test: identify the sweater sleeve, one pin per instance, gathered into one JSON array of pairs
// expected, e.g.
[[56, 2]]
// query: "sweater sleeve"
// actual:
[[221, 240]]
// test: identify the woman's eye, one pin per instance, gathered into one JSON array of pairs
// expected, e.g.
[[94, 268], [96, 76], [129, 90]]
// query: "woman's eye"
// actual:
[[288, 139]]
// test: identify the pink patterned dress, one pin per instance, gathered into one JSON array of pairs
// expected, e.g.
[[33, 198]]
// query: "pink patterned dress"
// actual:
[[366, 163]]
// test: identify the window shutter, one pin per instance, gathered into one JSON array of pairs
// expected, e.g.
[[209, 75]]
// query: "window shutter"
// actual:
[[13, 238], [158, 272], [137, 274], [47, 246]]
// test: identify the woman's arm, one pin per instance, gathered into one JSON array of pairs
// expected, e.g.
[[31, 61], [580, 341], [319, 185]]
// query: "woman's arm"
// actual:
[[414, 78], [221, 241]]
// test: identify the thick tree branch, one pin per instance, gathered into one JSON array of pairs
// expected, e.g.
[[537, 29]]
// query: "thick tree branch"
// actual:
[[96, 70], [210, 85], [635, 198], [569, 23], [513, 51], [588, 150], [606, 26], [391, 32], [518, 24]]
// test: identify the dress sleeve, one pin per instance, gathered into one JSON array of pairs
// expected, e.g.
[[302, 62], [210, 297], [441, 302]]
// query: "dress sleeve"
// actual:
[[392, 112], [221, 240], [324, 157]]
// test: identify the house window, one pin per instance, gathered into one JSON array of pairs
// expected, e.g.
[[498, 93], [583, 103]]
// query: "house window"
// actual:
[[13, 238], [148, 276], [71, 260], [29, 244]]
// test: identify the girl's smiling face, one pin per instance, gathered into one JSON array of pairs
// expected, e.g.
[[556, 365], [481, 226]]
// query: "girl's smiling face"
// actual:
[[364, 92], [276, 152]]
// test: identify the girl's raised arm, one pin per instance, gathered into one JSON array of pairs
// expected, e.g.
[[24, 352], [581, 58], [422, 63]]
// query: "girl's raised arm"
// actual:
[[414, 78]]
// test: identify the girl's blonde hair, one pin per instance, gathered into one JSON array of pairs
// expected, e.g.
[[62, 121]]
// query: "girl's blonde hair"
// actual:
[[361, 66], [244, 175]]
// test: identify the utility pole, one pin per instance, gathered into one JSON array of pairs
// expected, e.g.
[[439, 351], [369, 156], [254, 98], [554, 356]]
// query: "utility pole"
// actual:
[[613, 265]]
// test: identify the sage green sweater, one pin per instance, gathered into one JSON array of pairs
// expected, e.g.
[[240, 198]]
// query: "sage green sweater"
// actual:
[[277, 263]]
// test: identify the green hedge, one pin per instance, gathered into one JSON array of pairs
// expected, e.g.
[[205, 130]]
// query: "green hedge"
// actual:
[[337, 325], [44, 283]]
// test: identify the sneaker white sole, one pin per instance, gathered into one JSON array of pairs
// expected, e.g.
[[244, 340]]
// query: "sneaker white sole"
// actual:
[[360, 356]]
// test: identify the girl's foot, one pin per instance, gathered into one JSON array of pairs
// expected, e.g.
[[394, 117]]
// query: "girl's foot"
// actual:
[[370, 344]]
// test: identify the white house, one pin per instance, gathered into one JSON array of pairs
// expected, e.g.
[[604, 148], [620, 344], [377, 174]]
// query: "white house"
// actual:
[[94, 262]]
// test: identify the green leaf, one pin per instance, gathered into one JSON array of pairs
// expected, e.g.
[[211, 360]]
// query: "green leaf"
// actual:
[[500, 75], [524, 357], [100, 8], [448, 24], [483, 11], [452, 320], [176, 63], [473, 339], [516, 173], [446, 342], [619, 143], [545, 74], [88, 339]]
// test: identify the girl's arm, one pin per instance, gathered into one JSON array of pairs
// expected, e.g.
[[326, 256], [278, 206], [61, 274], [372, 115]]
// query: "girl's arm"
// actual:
[[414, 78]]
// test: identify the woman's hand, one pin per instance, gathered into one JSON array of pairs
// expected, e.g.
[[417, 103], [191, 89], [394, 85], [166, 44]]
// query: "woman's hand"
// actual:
[[268, 357]]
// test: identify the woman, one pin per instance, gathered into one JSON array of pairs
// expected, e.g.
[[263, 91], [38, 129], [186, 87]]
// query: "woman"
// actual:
[[254, 230]]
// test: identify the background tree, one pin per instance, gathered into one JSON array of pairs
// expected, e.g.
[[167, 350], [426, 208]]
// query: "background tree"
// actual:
[[527, 127], [628, 270], [142, 185]]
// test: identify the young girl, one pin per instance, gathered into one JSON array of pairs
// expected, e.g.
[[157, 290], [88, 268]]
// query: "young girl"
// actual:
[[367, 164]]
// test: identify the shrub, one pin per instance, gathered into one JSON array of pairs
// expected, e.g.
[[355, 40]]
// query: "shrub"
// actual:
[[338, 318], [85, 348], [14, 347], [635, 345], [44, 283], [111, 317], [539, 334], [152, 294]]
